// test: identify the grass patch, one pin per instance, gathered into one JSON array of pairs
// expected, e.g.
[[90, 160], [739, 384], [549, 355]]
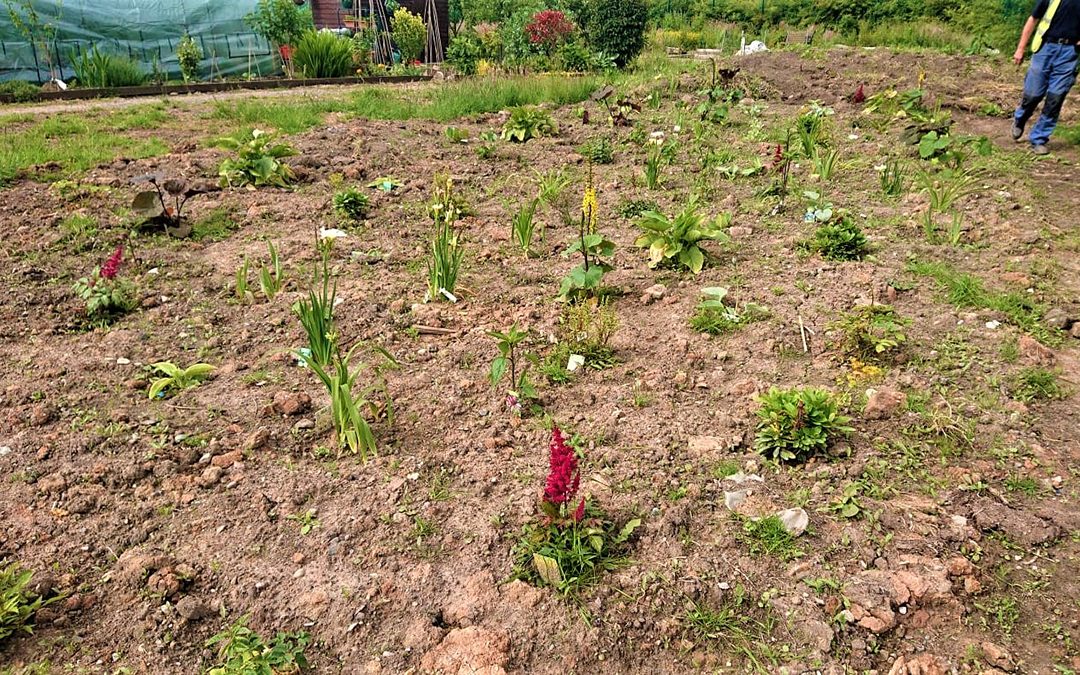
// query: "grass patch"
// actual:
[[1037, 384], [966, 290], [740, 625], [767, 536], [69, 144], [214, 226]]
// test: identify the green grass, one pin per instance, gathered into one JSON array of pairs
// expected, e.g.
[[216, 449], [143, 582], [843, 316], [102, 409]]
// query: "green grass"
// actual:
[[968, 291], [73, 142], [740, 625], [767, 536], [214, 226], [1070, 133], [1037, 384]]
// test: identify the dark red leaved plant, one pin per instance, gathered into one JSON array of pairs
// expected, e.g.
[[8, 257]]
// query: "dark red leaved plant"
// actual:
[[549, 28]]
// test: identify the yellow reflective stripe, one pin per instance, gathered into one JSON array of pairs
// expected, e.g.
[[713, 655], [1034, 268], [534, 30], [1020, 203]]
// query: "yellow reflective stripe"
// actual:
[[1044, 25]]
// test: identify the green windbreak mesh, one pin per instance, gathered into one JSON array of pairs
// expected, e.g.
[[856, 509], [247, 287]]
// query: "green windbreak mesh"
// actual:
[[145, 30]]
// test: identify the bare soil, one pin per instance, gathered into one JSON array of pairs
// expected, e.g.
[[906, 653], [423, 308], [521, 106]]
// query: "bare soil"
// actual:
[[161, 522]]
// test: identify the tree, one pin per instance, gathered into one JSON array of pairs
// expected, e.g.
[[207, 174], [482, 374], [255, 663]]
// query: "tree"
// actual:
[[617, 28]]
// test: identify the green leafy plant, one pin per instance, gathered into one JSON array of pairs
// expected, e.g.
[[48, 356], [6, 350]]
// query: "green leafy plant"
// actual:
[[410, 34], [17, 603], [307, 520], [586, 328], [322, 54], [257, 162], [839, 238], [870, 332], [189, 54], [242, 651], [739, 624], [944, 189], [106, 294], [349, 402], [351, 204], [488, 148], [1037, 384], [95, 69], [446, 252], [847, 504], [523, 225], [464, 53], [576, 542], [280, 22], [811, 129], [585, 279], [632, 209], [455, 135], [240, 286], [272, 278], [176, 378], [617, 28], [795, 424], [893, 178], [527, 122], [825, 162], [20, 91], [508, 362], [598, 150], [660, 154], [715, 317], [676, 241]]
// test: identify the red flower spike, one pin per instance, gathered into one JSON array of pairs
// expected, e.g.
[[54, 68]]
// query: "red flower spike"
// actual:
[[564, 478], [859, 96], [579, 512], [112, 266]]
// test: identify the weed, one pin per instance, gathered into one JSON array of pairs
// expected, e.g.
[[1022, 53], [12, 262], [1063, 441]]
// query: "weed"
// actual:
[[847, 504], [797, 423], [1037, 384], [767, 536], [489, 147], [839, 239], [214, 226], [870, 331], [351, 204], [1025, 484], [1003, 611], [176, 378], [307, 520], [738, 624], [676, 241], [242, 651]]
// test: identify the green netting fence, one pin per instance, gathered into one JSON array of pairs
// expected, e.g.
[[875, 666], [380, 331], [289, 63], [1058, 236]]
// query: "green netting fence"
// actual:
[[144, 30]]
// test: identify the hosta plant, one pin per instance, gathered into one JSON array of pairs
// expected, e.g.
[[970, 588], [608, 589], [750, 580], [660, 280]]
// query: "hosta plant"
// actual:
[[257, 162], [795, 424], [676, 241], [106, 294], [528, 122], [174, 378], [575, 541]]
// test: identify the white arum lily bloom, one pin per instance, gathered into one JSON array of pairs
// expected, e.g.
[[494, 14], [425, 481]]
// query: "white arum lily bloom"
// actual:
[[332, 233]]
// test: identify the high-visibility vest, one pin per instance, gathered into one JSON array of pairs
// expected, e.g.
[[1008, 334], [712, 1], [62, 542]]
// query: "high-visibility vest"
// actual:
[[1044, 25]]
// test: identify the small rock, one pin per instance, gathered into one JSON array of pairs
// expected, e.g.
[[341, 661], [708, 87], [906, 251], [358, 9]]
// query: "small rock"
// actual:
[[210, 476], [795, 521], [738, 231], [1075, 330], [192, 609], [653, 293], [291, 403], [228, 459], [883, 403], [996, 656], [257, 439], [1057, 317], [41, 414], [1030, 236], [1031, 350]]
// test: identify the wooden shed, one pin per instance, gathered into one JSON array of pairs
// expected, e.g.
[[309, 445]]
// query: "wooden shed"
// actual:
[[331, 14]]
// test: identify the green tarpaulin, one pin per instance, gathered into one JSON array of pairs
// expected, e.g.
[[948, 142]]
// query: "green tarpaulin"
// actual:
[[145, 30]]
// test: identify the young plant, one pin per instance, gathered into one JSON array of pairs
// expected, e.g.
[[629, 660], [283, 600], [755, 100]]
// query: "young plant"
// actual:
[[839, 238], [509, 360], [107, 296], [1037, 384], [870, 332], [243, 294], [176, 378], [660, 154], [351, 204], [585, 279], [271, 279], [598, 150], [528, 122], [189, 54], [242, 651], [257, 162], [944, 189], [523, 225], [585, 331], [17, 603], [714, 317], [575, 542], [489, 146], [825, 163], [165, 203], [676, 241], [349, 402], [795, 424], [456, 136], [893, 178], [447, 251]]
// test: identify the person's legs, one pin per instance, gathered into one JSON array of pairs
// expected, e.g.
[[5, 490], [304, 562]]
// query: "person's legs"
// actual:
[[1060, 79], [1035, 84]]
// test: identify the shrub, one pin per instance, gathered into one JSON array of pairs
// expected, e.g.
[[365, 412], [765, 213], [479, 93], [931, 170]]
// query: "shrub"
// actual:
[[258, 161], [840, 239], [795, 424], [280, 22], [870, 332], [410, 35], [17, 603], [574, 57], [189, 54], [527, 122], [20, 90], [549, 29], [321, 54], [617, 28], [351, 204], [94, 69], [576, 541], [676, 241], [463, 54]]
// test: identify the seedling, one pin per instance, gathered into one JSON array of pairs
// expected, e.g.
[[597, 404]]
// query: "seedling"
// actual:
[[508, 359], [271, 279], [307, 521], [176, 378], [242, 651]]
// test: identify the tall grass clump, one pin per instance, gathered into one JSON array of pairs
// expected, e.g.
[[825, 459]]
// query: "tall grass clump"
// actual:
[[95, 69], [321, 54]]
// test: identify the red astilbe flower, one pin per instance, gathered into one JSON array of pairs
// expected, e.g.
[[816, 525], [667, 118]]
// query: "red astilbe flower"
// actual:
[[859, 96], [579, 512], [112, 266], [777, 158], [564, 477], [549, 28]]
